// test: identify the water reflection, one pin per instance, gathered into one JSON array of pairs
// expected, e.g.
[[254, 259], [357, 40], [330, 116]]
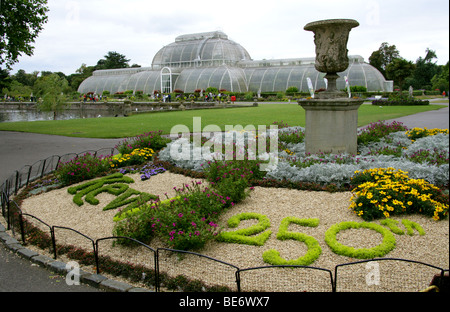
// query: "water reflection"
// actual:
[[33, 115]]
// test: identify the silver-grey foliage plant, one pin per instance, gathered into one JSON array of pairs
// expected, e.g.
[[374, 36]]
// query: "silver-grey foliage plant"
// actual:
[[339, 169]]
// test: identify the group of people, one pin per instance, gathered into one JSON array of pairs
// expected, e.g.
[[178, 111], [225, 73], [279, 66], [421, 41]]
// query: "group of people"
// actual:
[[92, 97], [210, 97]]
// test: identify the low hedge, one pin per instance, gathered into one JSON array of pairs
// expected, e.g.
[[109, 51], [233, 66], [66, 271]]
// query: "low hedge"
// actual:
[[400, 102]]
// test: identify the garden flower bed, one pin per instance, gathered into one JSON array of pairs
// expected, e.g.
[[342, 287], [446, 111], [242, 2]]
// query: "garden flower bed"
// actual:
[[268, 223]]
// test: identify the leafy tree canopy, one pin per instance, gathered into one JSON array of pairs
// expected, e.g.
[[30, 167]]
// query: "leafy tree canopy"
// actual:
[[113, 60], [20, 23], [398, 70], [383, 56]]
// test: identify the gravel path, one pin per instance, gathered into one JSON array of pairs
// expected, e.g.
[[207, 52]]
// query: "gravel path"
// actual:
[[56, 208]]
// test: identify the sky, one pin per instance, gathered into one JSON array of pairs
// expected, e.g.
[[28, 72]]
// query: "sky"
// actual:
[[84, 31]]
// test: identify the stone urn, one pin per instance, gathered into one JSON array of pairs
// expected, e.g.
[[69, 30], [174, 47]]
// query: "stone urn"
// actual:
[[331, 116], [330, 38]]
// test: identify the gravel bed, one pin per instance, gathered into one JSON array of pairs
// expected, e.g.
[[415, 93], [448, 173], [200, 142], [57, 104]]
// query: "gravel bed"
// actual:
[[56, 208]]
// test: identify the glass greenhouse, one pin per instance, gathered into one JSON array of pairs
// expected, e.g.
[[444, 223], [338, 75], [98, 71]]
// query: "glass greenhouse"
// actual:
[[198, 61]]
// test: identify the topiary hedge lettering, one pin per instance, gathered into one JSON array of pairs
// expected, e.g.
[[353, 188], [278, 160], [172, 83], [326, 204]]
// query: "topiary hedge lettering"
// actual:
[[258, 234], [115, 184]]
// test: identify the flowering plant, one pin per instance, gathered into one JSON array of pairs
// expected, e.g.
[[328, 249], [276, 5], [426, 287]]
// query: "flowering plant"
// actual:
[[417, 133], [80, 168], [136, 157], [152, 139], [186, 221], [231, 178], [382, 192], [375, 131]]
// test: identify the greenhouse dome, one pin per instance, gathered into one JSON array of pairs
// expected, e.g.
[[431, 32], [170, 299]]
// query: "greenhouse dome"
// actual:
[[200, 50], [210, 59]]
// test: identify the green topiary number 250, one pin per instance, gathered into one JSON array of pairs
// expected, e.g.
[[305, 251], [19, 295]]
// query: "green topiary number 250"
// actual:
[[247, 235], [258, 234], [273, 257]]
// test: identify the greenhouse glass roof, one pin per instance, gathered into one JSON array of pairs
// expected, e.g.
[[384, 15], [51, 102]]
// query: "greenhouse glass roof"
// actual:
[[199, 61]]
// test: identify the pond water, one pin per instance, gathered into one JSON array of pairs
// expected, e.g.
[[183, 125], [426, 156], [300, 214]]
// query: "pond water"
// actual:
[[33, 115]]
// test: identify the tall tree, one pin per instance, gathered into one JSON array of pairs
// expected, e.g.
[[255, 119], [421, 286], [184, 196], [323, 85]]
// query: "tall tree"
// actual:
[[441, 80], [5, 79], [113, 60], [398, 70], [50, 90], [381, 58], [425, 70], [20, 23]]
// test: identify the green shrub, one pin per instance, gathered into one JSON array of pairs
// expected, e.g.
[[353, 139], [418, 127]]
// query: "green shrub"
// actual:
[[291, 90], [396, 99], [358, 89]]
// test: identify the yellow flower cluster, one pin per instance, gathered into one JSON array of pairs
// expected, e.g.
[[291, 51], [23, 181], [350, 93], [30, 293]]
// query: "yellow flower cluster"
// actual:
[[389, 191], [416, 133], [136, 157], [289, 152]]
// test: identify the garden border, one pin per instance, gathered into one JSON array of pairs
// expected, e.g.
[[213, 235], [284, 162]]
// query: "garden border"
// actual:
[[15, 182]]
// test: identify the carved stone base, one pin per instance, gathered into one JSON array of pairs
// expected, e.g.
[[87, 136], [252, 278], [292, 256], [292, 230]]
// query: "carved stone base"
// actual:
[[331, 125]]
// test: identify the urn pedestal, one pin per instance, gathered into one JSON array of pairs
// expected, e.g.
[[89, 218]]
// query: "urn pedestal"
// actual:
[[331, 116], [331, 125]]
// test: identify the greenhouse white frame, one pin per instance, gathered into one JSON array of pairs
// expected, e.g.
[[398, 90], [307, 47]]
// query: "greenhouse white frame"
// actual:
[[198, 61]]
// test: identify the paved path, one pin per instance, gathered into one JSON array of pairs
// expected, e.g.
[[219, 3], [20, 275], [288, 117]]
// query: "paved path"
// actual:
[[19, 149], [431, 119]]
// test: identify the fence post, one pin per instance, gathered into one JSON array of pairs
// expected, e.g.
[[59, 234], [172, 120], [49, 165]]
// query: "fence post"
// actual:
[[43, 168], [52, 233], [16, 188], [157, 288], [29, 174], [238, 281]]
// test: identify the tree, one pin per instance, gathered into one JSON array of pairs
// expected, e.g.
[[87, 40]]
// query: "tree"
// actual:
[[24, 78], [441, 80], [20, 23], [5, 80], [113, 60], [383, 56], [398, 70], [18, 90], [50, 91], [425, 70]]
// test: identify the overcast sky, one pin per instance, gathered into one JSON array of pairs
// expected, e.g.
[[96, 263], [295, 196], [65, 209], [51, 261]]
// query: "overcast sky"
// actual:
[[84, 31]]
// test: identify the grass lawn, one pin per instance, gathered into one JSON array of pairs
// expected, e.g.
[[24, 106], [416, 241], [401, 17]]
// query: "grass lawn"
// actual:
[[264, 114]]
